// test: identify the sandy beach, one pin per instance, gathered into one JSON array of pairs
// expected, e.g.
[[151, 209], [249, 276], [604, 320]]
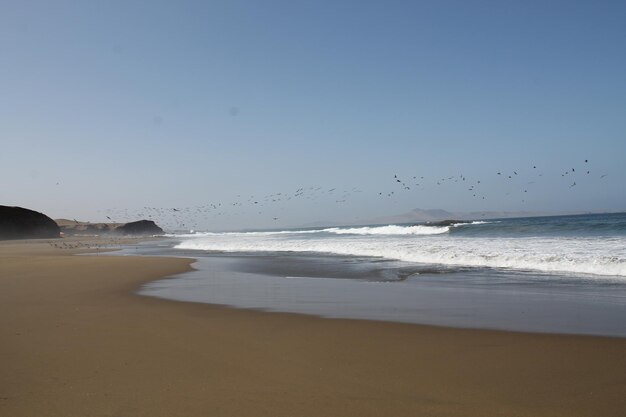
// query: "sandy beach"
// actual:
[[77, 341]]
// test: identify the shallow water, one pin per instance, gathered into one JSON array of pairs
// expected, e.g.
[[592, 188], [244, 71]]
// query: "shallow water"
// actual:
[[381, 289]]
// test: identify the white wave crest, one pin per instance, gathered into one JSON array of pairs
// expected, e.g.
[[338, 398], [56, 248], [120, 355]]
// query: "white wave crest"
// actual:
[[390, 230], [553, 255], [474, 222], [366, 230]]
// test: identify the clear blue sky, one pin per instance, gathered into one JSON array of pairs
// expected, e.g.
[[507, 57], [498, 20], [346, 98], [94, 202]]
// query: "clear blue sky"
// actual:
[[126, 104]]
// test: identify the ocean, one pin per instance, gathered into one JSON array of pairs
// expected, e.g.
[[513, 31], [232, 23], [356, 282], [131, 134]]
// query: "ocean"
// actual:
[[562, 274]]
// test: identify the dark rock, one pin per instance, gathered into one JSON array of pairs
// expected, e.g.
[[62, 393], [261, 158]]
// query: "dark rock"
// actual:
[[140, 228], [447, 222], [21, 223]]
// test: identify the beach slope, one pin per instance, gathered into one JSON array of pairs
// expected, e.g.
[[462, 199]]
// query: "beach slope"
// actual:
[[76, 341]]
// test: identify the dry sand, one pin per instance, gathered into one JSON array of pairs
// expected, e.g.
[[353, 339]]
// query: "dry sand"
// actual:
[[75, 341]]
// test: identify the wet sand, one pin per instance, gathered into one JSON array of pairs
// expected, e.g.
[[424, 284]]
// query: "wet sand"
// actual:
[[76, 341]]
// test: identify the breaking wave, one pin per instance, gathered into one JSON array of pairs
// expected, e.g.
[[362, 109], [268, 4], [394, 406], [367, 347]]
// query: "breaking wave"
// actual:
[[591, 244], [390, 230], [575, 256]]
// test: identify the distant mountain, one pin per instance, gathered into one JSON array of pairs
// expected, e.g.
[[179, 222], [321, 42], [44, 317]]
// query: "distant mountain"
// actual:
[[431, 215], [435, 215], [416, 215]]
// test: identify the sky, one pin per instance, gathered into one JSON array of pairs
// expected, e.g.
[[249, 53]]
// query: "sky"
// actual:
[[107, 108]]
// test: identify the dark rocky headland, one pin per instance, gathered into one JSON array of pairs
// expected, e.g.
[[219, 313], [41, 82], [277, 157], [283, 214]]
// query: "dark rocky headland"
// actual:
[[140, 228], [22, 223]]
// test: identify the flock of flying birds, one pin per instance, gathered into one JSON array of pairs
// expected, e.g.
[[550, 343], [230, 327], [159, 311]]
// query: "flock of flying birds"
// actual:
[[185, 218]]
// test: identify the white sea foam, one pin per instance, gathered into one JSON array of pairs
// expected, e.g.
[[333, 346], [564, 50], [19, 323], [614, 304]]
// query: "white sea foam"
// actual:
[[605, 256], [474, 222], [366, 230], [390, 230]]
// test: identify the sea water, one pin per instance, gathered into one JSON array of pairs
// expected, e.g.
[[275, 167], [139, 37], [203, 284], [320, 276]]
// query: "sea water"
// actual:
[[589, 246], [564, 274]]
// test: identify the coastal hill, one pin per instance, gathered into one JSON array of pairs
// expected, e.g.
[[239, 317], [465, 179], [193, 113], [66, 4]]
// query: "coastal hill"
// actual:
[[22, 223], [433, 215], [419, 215], [138, 228], [75, 227]]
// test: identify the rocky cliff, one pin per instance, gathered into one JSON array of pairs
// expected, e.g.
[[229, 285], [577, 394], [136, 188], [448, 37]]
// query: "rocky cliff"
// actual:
[[140, 228], [78, 228], [22, 223]]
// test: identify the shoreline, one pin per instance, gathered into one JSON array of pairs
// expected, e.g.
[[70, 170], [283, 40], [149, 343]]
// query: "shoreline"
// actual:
[[337, 286], [80, 341]]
